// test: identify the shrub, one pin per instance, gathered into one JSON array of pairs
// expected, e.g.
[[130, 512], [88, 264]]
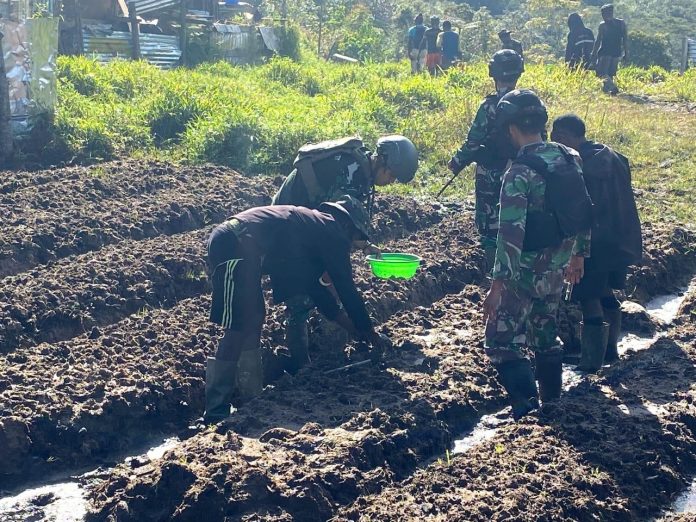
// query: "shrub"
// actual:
[[646, 50]]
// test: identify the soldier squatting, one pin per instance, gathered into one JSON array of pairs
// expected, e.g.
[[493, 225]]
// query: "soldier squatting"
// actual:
[[549, 214]]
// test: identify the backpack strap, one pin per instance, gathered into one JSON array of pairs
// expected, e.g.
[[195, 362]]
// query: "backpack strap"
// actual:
[[534, 162]]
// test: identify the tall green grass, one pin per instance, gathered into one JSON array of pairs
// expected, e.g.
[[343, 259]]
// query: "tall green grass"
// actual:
[[255, 118]]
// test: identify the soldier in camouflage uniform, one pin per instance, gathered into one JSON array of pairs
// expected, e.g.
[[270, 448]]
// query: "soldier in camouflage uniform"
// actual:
[[482, 147], [343, 167], [522, 305]]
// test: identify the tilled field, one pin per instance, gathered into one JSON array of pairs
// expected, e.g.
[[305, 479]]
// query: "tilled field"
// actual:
[[105, 342]]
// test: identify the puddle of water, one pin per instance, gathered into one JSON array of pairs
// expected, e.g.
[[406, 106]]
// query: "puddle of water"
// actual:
[[635, 343], [158, 451], [686, 503], [666, 307], [487, 427], [63, 501]]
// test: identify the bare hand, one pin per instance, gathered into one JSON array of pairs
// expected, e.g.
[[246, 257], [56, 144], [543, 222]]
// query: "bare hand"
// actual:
[[575, 270], [372, 250], [492, 301]]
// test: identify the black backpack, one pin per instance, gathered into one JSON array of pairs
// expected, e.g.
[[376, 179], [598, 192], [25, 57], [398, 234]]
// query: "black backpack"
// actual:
[[568, 209]]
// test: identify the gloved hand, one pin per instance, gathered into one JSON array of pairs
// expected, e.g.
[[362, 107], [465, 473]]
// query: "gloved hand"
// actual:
[[454, 166]]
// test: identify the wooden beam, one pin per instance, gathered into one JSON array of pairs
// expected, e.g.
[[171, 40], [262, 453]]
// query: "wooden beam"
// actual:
[[135, 29], [124, 7], [183, 35], [6, 138]]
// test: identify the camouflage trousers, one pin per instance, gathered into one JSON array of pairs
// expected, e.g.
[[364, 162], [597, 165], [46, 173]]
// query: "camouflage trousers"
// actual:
[[527, 316], [487, 190]]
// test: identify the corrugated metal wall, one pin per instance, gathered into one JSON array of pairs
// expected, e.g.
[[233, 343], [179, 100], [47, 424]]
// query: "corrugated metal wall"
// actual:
[[160, 50], [150, 6]]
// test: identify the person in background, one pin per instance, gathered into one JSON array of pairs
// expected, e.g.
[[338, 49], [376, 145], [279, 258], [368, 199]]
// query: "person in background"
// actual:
[[509, 43], [611, 44], [616, 241], [433, 60], [580, 43], [449, 43], [413, 45]]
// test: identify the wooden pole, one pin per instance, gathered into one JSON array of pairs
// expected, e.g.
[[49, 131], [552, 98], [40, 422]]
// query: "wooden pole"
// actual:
[[80, 47], [685, 55], [6, 139], [135, 29], [183, 36]]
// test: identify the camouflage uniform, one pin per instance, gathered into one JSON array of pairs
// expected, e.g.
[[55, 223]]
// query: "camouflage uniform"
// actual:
[[533, 280], [339, 175], [488, 179]]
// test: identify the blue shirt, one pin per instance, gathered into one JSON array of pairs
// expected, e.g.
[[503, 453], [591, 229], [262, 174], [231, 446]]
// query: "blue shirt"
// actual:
[[450, 44]]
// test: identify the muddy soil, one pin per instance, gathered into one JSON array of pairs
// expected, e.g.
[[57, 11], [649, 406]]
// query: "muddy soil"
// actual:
[[71, 296], [66, 403], [233, 472], [619, 447], [130, 201]]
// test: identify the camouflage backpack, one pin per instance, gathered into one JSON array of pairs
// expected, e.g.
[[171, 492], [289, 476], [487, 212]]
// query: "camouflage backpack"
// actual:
[[310, 154]]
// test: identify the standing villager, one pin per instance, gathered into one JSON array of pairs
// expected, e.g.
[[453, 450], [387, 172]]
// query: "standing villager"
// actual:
[[509, 43], [616, 241], [545, 215], [611, 44], [433, 59], [413, 44], [580, 43], [327, 171], [449, 43], [307, 242], [491, 154]]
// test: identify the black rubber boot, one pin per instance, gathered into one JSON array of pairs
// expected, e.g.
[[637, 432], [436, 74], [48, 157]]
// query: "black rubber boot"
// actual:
[[518, 380], [594, 346], [220, 383], [297, 341], [549, 373], [613, 317], [250, 374]]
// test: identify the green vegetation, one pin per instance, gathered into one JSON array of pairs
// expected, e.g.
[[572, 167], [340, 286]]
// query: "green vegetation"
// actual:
[[255, 119]]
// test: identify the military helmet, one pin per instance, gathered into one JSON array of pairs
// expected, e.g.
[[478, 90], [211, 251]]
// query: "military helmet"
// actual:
[[353, 209], [519, 105], [505, 65], [400, 156]]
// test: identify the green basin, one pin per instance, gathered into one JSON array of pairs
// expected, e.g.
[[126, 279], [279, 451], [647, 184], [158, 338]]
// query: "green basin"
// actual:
[[395, 265]]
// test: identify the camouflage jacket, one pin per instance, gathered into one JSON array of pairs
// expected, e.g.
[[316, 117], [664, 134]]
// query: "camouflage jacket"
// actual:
[[337, 176], [478, 132], [523, 191]]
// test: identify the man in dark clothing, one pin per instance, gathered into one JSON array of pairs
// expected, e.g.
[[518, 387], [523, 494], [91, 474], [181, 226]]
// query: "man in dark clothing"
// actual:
[[580, 43], [433, 59], [616, 241], [509, 43], [307, 243], [612, 42], [415, 38], [449, 43]]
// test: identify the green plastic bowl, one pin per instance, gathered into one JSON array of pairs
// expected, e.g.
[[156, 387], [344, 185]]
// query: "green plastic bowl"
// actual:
[[395, 264]]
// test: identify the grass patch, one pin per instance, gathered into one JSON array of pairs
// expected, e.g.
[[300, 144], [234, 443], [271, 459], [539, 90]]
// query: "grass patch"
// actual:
[[255, 118]]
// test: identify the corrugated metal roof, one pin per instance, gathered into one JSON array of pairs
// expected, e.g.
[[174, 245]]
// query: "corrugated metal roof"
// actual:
[[150, 6], [158, 49], [692, 49]]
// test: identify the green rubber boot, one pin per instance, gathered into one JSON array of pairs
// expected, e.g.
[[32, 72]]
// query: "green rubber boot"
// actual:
[[250, 374], [518, 380], [220, 383], [594, 346], [613, 317], [549, 373]]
